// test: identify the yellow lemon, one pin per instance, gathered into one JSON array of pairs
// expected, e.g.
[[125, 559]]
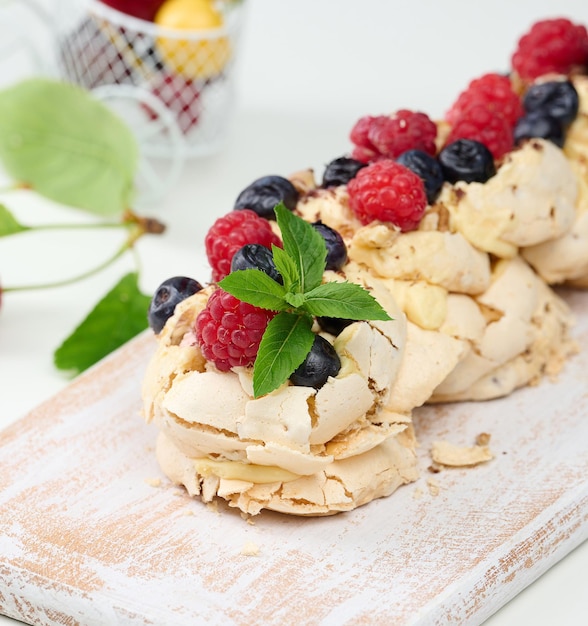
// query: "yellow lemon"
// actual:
[[200, 56]]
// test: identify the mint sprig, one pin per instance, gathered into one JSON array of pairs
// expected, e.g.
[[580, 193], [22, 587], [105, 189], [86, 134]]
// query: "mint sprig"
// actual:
[[301, 263]]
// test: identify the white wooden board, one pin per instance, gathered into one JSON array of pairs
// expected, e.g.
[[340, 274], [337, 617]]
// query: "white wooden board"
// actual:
[[88, 535]]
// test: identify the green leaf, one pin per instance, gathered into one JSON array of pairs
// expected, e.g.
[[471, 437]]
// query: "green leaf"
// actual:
[[256, 288], [286, 342], [344, 300], [295, 300], [118, 317], [8, 223], [304, 245], [59, 140], [287, 269]]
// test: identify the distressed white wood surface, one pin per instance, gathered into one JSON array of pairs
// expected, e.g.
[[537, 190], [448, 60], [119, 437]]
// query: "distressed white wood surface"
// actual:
[[87, 536]]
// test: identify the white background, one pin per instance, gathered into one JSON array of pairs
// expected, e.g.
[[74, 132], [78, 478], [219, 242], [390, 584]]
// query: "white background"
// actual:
[[307, 71]]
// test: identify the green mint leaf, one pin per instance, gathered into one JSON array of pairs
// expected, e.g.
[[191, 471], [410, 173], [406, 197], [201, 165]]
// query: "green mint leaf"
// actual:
[[287, 340], [287, 268], [118, 317], [344, 300], [256, 288], [294, 299], [8, 223], [66, 145], [304, 245]]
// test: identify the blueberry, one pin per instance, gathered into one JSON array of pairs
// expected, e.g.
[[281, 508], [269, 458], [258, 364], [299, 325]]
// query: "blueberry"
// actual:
[[333, 325], [336, 248], [557, 99], [538, 125], [467, 160], [258, 257], [340, 171], [321, 362], [263, 194], [427, 167], [171, 292]]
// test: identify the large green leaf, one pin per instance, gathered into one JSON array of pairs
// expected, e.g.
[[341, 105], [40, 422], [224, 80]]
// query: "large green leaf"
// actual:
[[59, 140], [118, 317]]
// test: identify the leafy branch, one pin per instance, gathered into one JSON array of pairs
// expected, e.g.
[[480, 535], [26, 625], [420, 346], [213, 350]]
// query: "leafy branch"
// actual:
[[58, 141]]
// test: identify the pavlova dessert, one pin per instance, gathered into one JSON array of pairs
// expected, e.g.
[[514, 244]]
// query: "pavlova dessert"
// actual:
[[419, 269]]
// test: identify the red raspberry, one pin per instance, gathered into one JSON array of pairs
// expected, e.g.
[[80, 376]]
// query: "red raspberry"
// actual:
[[388, 192], [482, 124], [229, 331], [551, 46], [230, 233], [390, 136], [492, 90]]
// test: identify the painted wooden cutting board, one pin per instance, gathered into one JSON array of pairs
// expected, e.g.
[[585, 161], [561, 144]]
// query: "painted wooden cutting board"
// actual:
[[92, 533]]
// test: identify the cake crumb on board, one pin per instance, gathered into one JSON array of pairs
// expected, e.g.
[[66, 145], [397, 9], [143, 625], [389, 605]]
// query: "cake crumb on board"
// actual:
[[447, 454], [250, 549]]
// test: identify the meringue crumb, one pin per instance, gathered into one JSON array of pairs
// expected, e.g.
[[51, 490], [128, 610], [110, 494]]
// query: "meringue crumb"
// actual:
[[187, 512], [153, 482], [213, 506], [250, 549], [418, 493], [483, 439], [247, 518], [434, 487], [448, 454]]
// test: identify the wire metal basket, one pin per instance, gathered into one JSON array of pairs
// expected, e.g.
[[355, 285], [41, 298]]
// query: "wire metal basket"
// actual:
[[160, 75]]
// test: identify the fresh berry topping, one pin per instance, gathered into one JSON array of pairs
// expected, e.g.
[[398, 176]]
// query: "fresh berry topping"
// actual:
[[389, 136], [333, 325], [551, 46], [229, 331], [336, 248], [427, 167], [254, 256], [321, 362], [263, 194], [389, 192], [495, 92], [467, 160], [556, 98], [538, 125], [340, 171], [486, 126], [231, 232], [166, 297]]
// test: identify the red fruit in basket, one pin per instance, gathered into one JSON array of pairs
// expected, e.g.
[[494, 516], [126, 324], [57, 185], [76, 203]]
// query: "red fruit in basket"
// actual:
[[181, 96], [143, 9]]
